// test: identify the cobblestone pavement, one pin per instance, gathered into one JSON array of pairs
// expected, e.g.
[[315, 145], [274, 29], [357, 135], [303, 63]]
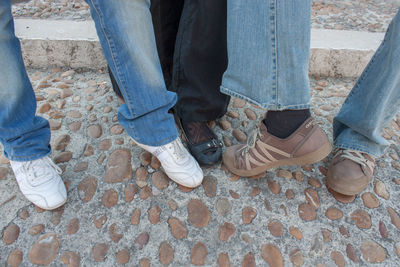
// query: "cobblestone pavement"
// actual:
[[364, 15], [123, 209]]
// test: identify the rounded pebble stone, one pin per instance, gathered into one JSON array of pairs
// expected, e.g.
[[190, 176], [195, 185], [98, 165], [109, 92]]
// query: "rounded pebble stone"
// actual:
[[295, 232], [373, 252], [99, 252], [275, 228], [338, 258], [119, 167], [362, 219], [199, 254], [249, 260], [71, 259], [199, 215], [333, 213], [160, 180], [87, 188], [95, 131], [10, 234], [45, 249], [248, 215], [370, 200], [166, 253], [123, 256], [110, 198], [73, 226], [296, 257], [226, 231], [223, 260], [178, 228], [307, 212], [15, 258], [272, 255]]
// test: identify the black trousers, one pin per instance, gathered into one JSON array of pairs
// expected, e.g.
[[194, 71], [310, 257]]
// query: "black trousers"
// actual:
[[191, 43]]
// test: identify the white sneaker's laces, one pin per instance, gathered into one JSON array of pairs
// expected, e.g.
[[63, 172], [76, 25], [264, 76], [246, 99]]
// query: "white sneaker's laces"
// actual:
[[357, 157], [177, 150], [40, 170]]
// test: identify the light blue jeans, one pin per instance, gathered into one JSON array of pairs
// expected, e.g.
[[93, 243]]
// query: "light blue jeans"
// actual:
[[374, 100], [23, 135], [268, 53], [126, 35]]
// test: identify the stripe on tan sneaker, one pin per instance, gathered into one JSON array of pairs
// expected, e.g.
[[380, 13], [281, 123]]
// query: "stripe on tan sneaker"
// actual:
[[250, 159], [260, 157], [265, 151], [274, 149]]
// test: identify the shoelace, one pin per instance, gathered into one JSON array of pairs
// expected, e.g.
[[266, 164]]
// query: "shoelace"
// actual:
[[359, 158], [34, 169], [251, 141], [177, 149]]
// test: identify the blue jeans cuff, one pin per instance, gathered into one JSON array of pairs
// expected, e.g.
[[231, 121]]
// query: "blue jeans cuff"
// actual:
[[28, 157], [373, 150], [263, 105]]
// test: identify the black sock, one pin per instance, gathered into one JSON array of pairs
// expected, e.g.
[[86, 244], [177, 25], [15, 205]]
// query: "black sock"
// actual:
[[283, 123]]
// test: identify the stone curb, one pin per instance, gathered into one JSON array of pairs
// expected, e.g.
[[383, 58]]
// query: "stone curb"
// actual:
[[75, 44]]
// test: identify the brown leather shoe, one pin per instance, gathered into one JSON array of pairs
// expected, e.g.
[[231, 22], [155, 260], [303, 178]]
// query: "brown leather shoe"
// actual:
[[350, 172], [308, 144]]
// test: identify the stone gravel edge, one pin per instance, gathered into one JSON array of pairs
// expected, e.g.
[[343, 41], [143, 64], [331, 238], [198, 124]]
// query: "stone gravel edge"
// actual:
[[75, 44]]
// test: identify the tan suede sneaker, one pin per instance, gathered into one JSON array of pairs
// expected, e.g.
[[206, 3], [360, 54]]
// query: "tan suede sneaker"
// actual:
[[307, 145], [350, 172]]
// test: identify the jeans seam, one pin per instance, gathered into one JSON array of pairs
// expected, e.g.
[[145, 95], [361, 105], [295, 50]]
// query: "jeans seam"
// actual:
[[275, 36], [231, 92]]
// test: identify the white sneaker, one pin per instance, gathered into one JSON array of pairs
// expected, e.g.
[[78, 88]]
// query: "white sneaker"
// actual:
[[39, 180], [178, 164]]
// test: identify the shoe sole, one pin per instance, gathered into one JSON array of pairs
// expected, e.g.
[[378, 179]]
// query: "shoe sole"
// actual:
[[183, 184], [309, 158], [344, 189], [53, 208]]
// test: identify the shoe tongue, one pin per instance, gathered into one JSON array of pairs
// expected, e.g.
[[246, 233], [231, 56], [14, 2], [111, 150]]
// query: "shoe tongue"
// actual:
[[263, 127], [264, 131], [39, 174], [173, 150]]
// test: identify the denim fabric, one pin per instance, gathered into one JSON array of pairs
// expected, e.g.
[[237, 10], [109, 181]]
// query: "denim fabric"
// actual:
[[23, 135], [127, 37], [191, 43], [374, 100], [268, 53]]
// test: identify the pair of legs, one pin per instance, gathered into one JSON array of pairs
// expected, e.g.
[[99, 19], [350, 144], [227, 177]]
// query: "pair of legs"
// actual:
[[268, 44], [127, 37], [132, 56], [370, 106], [25, 137], [269, 47], [191, 42]]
